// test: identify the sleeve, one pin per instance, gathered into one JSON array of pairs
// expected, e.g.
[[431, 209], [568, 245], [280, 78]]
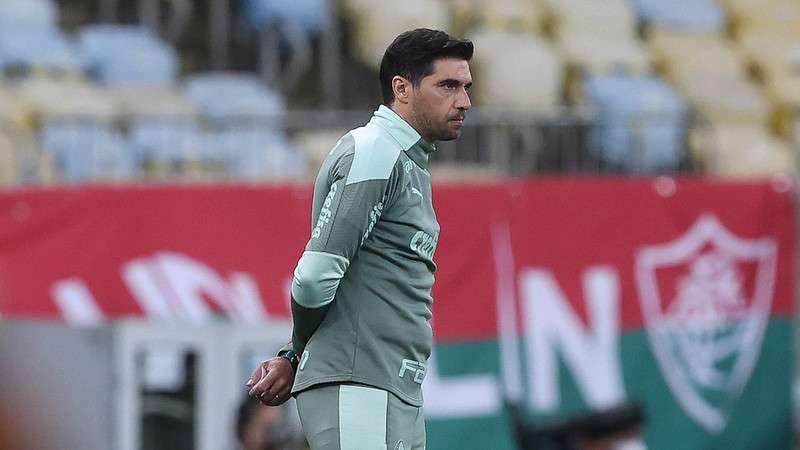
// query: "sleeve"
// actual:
[[349, 199]]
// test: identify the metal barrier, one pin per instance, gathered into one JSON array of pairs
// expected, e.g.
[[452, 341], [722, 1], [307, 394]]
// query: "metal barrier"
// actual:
[[132, 384], [268, 149]]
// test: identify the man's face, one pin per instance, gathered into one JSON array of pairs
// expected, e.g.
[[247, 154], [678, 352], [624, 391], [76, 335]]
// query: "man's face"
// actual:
[[442, 100]]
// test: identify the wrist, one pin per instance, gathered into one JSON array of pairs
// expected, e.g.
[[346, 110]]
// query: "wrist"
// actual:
[[290, 356]]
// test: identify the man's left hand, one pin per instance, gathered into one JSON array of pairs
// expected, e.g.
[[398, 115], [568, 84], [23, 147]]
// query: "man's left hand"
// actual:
[[272, 381]]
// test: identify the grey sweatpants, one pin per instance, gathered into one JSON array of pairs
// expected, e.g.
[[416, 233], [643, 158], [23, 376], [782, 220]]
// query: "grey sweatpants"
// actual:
[[358, 417]]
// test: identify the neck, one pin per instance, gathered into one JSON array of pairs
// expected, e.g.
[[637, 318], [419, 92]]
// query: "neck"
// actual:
[[405, 112]]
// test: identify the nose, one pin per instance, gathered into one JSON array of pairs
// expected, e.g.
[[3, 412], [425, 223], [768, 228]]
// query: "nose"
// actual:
[[463, 102]]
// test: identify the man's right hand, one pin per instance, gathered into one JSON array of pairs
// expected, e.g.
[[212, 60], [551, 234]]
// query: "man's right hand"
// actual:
[[272, 381]]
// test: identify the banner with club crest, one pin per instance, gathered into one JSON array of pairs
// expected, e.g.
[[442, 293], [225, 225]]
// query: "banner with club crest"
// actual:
[[557, 295]]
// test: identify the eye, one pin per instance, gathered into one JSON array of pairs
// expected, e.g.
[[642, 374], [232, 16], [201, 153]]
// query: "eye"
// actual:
[[450, 85]]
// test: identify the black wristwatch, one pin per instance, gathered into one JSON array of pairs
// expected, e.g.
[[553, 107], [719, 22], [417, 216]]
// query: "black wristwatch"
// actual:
[[291, 356]]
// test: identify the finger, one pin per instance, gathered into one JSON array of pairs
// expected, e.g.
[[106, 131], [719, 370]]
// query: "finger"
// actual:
[[280, 388], [277, 393], [264, 383], [257, 374], [277, 400], [268, 397], [277, 389]]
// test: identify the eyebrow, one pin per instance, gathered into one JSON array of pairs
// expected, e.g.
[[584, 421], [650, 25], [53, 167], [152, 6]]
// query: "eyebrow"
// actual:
[[448, 81]]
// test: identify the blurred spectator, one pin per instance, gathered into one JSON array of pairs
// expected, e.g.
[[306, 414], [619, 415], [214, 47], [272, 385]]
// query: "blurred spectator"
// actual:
[[260, 427], [617, 428]]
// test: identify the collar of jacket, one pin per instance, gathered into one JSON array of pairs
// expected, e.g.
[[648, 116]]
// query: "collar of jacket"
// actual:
[[412, 143]]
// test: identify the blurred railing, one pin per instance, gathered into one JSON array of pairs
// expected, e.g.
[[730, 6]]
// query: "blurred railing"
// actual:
[[291, 146]]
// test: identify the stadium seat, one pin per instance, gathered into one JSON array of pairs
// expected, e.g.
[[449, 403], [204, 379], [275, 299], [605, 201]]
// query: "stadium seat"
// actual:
[[534, 83], [776, 57], [25, 49], [225, 96], [153, 101], [21, 161], [165, 146], [30, 14], [640, 122], [711, 74], [128, 55], [87, 151], [511, 15], [162, 128], [705, 53], [694, 15], [764, 16], [744, 151], [252, 153], [314, 145], [51, 99], [607, 18], [373, 29], [14, 112], [9, 171], [311, 15], [604, 54], [728, 99], [76, 132]]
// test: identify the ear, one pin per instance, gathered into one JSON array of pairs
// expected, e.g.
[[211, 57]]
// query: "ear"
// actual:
[[402, 89]]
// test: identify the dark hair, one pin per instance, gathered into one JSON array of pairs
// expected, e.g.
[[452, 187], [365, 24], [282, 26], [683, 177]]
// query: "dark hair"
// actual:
[[412, 54]]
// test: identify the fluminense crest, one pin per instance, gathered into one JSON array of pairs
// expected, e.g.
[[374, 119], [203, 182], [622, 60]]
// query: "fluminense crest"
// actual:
[[706, 299]]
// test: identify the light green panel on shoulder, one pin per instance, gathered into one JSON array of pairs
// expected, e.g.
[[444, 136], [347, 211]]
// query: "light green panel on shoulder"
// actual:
[[374, 157]]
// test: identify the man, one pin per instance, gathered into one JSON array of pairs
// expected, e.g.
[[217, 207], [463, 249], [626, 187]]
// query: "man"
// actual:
[[361, 294]]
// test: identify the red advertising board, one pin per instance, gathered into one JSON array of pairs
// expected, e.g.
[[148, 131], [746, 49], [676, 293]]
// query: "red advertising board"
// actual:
[[678, 292], [127, 249]]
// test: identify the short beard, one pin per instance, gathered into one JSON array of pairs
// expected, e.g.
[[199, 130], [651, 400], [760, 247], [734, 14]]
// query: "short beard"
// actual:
[[451, 136], [425, 127]]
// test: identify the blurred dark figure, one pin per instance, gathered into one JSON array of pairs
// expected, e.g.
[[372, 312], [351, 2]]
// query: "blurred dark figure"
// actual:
[[260, 427], [618, 428], [168, 414]]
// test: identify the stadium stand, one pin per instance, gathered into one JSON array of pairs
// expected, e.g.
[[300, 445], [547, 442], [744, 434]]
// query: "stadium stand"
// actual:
[[311, 15], [685, 15], [226, 96], [374, 29], [153, 101], [31, 14], [641, 123], [88, 151], [744, 151], [77, 130], [586, 16], [14, 113], [604, 54], [755, 15], [22, 162], [65, 99], [164, 147], [128, 55], [24, 49], [535, 82], [651, 71], [244, 117], [8, 161], [773, 56], [254, 153], [513, 15], [314, 145]]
